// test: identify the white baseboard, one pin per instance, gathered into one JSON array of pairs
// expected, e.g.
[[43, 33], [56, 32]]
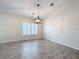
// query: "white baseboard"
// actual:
[[12, 39], [64, 45]]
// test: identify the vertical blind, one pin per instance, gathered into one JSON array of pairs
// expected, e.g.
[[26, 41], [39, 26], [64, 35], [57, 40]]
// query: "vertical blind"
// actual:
[[30, 28]]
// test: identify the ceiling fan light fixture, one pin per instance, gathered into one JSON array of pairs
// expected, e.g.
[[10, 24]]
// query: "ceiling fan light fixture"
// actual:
[[38, 20]]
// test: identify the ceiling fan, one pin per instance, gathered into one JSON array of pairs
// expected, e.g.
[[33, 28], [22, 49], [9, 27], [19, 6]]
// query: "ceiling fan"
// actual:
[[38, 20]]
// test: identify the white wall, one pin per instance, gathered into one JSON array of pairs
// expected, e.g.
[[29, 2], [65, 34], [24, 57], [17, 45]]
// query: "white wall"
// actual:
[[62, 26], [11, 28]]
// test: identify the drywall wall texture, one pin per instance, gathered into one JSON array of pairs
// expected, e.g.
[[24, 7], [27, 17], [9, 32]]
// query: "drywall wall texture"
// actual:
[[62, 26], [11, 28]]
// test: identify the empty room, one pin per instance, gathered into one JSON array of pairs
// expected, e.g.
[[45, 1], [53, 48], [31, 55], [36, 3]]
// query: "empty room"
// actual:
[[39, 29]]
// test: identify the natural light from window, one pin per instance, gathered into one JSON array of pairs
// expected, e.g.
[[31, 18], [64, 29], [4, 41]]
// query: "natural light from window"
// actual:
[[30, 29]]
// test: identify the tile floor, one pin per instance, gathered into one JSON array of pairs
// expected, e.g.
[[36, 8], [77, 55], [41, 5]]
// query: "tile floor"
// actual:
[[36, 49]]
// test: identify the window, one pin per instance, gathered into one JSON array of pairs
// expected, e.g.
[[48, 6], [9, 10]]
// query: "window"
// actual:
[[29, 28]]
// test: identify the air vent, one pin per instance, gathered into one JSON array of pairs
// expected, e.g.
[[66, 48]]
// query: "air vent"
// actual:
[[51, 4]]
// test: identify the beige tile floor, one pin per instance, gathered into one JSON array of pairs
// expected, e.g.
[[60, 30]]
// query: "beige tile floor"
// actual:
[[36, 49]]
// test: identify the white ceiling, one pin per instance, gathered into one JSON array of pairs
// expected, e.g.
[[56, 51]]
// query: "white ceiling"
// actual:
[[26, 7]]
